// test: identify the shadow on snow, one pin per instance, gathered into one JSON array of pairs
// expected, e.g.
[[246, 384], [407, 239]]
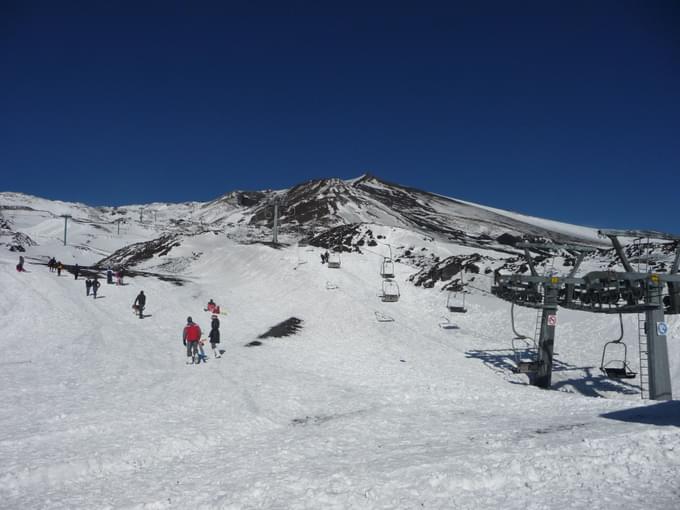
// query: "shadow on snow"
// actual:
[[661, 414], [591, 383]]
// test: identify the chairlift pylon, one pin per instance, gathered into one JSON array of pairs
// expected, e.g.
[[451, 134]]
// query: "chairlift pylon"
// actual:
[[616, 368]]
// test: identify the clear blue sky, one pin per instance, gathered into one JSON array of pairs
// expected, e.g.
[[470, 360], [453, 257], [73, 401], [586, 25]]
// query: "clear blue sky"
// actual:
[[562, 109]]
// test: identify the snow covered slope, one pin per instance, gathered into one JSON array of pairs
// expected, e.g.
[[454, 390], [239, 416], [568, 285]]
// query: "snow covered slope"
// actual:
[[101, 411]]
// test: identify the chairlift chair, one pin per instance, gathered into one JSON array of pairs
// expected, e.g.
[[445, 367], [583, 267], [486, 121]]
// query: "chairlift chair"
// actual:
[[616, 368], [455, 302], [333, 261], [387, 268], [526, 355], [524, 349], [445, 323], [390, 291]]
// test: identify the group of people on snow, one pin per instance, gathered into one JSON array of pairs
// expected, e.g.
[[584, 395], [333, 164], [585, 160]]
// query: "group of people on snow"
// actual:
[[118, 275], [55, 265], [324, 257], [191, 337]]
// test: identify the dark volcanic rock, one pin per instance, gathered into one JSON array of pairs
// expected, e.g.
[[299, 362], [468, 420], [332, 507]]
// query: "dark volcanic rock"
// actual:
[[508, 239], [345, 238], [16, 241], [139, 252], [445, 270]]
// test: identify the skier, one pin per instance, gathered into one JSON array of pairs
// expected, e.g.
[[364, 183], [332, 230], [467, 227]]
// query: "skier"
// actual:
[[60, 266], [119, 276], [95, 286], [140, 302], [20, 265], [76, 271], [323, 259], [190, 337], [109, 276], [51, 264], [88, 286], [215, 335], [326, 256]]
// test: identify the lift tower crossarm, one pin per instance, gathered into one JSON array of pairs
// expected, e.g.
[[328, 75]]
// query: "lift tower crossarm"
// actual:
[[581, 249], [612, 235], [651, 234]]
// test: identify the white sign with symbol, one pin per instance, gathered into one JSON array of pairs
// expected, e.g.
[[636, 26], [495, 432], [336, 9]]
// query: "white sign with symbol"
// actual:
[[552, 320], [662, 328]]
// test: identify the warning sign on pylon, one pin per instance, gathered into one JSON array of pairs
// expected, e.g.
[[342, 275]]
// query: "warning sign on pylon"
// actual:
[[552, 320]]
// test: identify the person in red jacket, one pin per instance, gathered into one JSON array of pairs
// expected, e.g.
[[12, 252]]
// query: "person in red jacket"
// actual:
[[190, 337]]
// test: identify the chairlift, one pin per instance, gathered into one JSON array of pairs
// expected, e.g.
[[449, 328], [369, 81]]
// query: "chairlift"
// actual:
[[455, 302], [387, 268], [526, 355], [616, 368], [445, 323], [333, 261], [390, 291], [524, 348]]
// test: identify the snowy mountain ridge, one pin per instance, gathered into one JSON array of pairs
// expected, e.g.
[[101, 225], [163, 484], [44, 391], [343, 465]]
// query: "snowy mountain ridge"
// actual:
[[330, 202]]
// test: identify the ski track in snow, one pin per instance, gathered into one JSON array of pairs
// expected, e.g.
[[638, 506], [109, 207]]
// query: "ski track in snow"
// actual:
[[100, 410]]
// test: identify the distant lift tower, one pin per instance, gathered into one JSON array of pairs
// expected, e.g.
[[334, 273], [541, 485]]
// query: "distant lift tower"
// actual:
[[277, 204], [66, 218]]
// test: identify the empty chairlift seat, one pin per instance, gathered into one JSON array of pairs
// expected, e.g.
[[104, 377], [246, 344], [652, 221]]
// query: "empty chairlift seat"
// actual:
[[614, 362], [387, 268], [334, 261], [390, 291], [455, 302]]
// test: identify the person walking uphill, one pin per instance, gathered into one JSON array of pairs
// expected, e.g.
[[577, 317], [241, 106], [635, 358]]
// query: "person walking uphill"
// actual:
[[214, 335], [95, 286], [190, 337], [140, 303]]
